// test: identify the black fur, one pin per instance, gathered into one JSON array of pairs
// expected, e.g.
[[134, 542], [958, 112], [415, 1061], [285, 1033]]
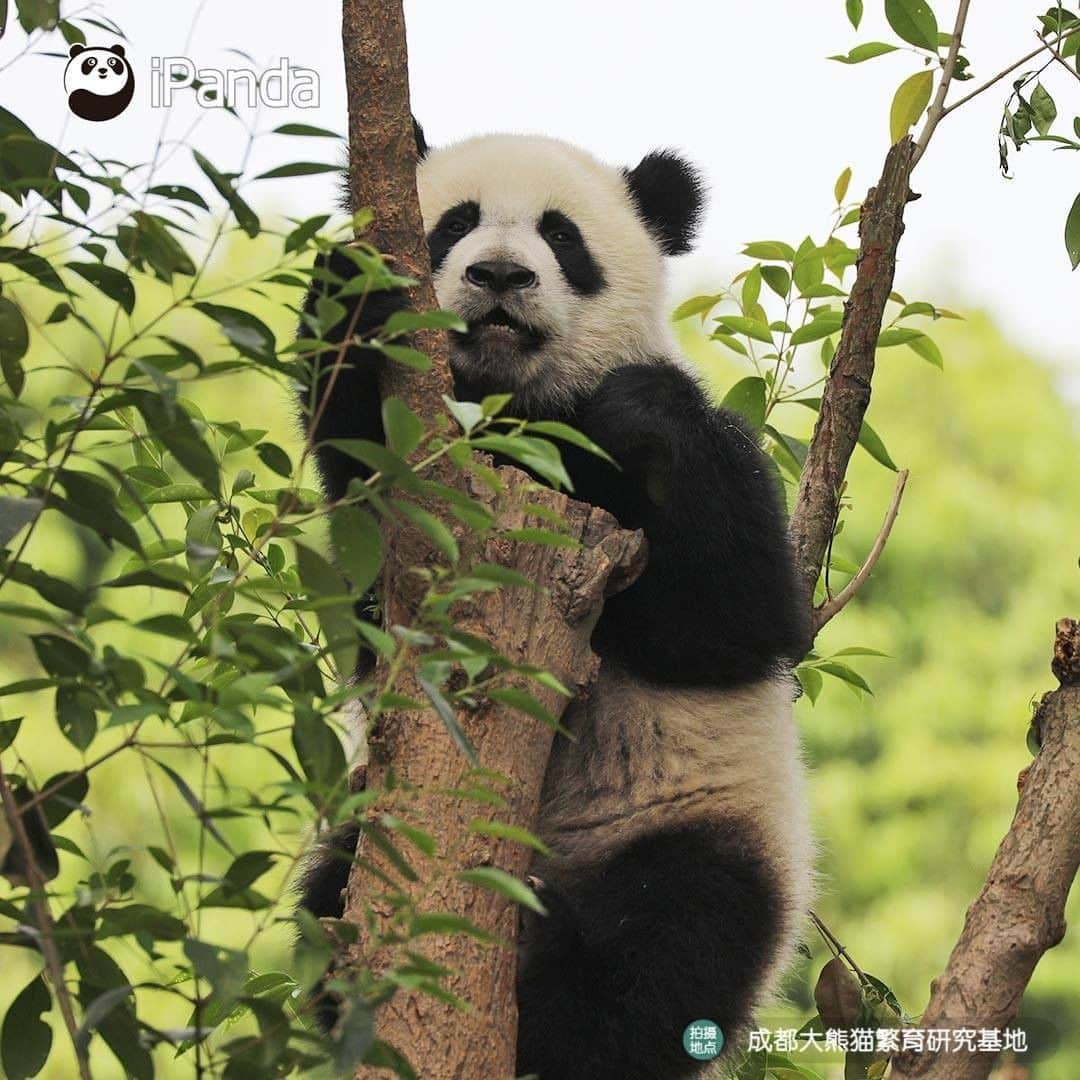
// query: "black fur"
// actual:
[[718, 603], [327, 872], [670, 196], [674, 928], [571, 253], [457, 222], [352, 410]]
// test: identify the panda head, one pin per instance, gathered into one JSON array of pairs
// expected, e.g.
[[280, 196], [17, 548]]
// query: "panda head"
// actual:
[[553, 259], [99, 82]]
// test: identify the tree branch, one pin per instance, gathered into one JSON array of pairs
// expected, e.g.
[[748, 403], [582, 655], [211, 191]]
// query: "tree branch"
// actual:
[[847, 391], [39, 904], [834, 604], [937, 108], [1020, 912]]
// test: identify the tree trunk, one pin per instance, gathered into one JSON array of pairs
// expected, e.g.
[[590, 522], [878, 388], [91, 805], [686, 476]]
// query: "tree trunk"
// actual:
[[548, 627], [1020, 912]]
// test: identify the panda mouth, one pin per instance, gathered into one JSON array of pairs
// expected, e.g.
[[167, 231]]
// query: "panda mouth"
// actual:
[[499, 327]]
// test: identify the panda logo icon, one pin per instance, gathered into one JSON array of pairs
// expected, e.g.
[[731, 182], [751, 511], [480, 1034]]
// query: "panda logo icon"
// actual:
[[99, 82]]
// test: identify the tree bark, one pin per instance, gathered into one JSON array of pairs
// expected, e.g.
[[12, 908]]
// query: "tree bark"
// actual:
[[1020, 912], [548, 628], [847, 391]]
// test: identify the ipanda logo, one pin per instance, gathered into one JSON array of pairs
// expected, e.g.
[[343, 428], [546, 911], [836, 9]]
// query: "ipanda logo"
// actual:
[[99, 82]]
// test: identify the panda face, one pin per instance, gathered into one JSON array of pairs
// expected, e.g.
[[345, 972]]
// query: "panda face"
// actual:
[[99, 82], [549, 257]]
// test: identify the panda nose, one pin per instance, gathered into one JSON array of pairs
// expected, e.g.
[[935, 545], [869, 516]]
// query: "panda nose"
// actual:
[[500, 276]]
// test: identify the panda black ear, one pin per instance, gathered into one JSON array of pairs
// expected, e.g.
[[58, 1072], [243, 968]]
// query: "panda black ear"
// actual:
[[421, 142], [670, 196], [118, 49], [76, 49]]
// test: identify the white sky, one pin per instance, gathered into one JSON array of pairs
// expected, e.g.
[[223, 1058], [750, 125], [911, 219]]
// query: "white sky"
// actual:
[[747, 95]]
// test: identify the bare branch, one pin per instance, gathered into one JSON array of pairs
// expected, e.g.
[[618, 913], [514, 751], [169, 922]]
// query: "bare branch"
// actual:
[[1055, 52], [834, 604], [847, 391], [46, 937], [937, 108], [1006, 71], [1020, 912]]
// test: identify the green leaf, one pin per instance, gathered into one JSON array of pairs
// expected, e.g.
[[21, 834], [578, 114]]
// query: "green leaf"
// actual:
[[1044, 111], [696, 305], [855, 12], [192, 800], [871, 442], [446, 715], [15, 515], [245, 216], [405, 322], [557, 430], [250, 336], [202, 541], [747, 397], [1072, 233], [866, 51], [274, 458], [777, 278], [900, 335], [298, 168], [319, 751], [115, 284], [357, 544], [178, 192], [496, 880], [404, 429], [321, 580], [9, 729], [914, 21], [810, 680], [14, 341], [514, 833], [841, 186], [306, 130], [824, 325], [869, 439], [911, 98], [846, 674], [168, 422], [96, 1012], [434, 529], [770, 251], [38, 14], [808, 269], [927, 348], [25, 1039], [150, 241], [751, 328]]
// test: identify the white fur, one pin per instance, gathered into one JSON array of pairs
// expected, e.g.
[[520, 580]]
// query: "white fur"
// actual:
[[695, 753], [515, 179]]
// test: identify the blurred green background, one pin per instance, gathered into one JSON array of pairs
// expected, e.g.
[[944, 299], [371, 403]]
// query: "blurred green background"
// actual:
[[912, 787]]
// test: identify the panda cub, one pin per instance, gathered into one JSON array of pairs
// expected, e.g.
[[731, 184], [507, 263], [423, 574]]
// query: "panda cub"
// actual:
[[676, 817]]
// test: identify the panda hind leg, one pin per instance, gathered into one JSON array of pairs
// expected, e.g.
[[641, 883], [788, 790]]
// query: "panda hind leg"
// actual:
[[679, 925]]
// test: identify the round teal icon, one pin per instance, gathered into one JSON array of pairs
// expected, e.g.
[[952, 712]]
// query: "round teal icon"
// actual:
[[703, 1040]]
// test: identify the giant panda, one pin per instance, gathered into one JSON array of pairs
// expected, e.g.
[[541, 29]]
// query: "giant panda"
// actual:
[[676, 817]]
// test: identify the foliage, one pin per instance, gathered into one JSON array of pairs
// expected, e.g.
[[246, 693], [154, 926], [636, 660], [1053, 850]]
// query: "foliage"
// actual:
[[174, 636], [202, 622]]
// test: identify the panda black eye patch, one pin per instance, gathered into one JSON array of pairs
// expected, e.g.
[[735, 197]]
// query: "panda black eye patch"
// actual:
[[457, 222], [571, 253]]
